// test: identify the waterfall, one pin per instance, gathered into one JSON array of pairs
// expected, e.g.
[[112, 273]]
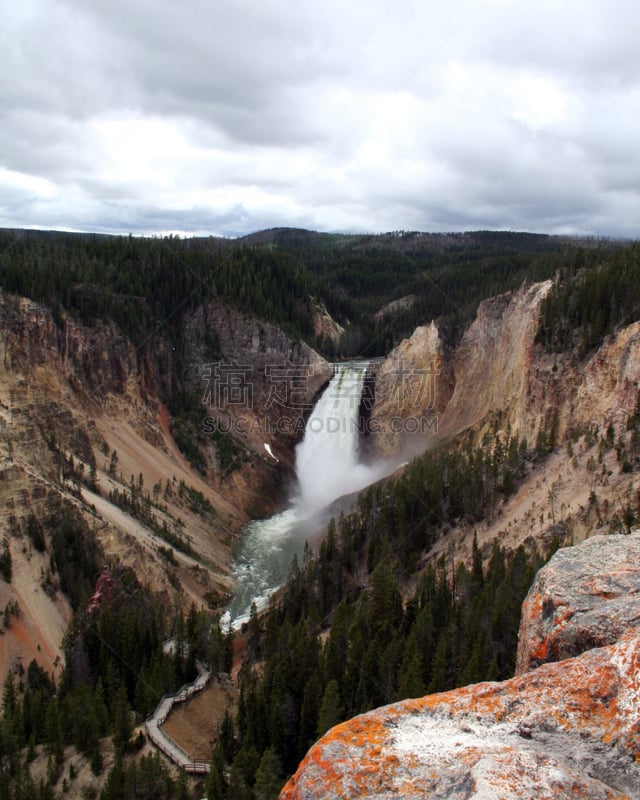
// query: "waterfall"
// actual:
[[327, 458], [326, 468]]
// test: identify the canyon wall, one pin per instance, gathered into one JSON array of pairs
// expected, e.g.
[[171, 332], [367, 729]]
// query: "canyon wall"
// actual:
[[499, 379], [84, 417], [255, 381]]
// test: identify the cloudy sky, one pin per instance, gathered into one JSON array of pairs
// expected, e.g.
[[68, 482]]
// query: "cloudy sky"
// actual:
[[228, 116]]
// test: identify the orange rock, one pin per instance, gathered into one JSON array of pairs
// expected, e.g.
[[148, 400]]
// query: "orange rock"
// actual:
[[566, 730]]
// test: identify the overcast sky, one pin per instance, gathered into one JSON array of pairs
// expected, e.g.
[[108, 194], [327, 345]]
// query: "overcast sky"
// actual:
[[228, 116]]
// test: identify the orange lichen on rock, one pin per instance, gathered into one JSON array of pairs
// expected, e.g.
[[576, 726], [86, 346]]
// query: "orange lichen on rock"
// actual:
[[540, 735]]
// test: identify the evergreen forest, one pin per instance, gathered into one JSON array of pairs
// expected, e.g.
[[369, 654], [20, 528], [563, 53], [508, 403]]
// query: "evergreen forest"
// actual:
[[146, 286]]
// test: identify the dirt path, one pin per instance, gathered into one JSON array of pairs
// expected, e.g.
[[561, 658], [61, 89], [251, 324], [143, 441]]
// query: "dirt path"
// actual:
[[121, 520]]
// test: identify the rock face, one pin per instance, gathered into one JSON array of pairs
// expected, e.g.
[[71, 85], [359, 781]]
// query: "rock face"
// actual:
[[412, 388], [259, 384], [565, 730], [498, 379], [99, 360], [491, 363], [485, 375], [324, 325], [573, 607]]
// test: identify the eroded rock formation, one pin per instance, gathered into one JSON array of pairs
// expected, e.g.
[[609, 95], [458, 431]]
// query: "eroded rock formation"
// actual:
[[499, 379], [485, 374], [565, 730], [412, 389], [259, 383]]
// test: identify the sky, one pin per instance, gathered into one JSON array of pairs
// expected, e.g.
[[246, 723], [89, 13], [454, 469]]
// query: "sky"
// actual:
[[224, 117]]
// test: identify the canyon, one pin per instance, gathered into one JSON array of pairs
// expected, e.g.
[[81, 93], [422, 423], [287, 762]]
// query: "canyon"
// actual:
[[86, 392], [85, 416]]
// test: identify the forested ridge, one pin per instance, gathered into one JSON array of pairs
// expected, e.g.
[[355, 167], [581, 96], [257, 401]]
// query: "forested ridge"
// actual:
[[147, 285], [592, 298]]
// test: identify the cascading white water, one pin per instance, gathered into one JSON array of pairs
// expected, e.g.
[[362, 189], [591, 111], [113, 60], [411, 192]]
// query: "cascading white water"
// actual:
[[327, 458], [326, 468]]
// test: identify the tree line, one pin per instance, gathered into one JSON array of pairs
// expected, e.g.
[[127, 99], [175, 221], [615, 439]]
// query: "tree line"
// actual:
[[147, 285], [594, 295]]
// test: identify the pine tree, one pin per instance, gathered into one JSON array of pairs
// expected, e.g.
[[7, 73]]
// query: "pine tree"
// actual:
[[216, 785], [331, 709], [440, 665], [182, 787], [122, 724], [114, 788], [473, 671], [53, 729], [243, 773], [269, 776], [6, 568], [410, 683], [309, 713]]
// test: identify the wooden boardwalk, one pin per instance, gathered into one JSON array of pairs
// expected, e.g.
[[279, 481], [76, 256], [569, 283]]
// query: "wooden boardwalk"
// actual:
[[162, 740]]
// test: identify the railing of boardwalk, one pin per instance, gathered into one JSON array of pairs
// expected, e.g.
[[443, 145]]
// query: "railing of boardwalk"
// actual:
[[161, 739]]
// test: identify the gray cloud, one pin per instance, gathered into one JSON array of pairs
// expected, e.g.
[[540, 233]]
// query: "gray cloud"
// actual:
[[229, 116]]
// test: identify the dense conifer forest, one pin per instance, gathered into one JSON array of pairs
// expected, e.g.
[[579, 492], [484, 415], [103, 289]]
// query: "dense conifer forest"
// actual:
[[593, 297]]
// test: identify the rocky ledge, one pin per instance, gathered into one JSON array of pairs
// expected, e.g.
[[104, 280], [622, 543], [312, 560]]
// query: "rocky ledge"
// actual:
[[567, 729]]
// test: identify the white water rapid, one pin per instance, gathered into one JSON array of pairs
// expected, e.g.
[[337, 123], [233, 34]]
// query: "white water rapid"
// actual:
[[327, 467]]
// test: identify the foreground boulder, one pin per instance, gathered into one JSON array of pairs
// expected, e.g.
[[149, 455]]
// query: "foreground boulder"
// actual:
[[567, 729]]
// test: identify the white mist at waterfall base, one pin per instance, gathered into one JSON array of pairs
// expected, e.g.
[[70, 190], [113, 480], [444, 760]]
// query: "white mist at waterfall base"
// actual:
[[327, 467]]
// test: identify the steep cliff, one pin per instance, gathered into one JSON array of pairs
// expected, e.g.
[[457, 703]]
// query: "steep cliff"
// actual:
[[498, 378], [260, 383], [564, 730], [499, 383], [491, 364], [413, 387], [487, 374]]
